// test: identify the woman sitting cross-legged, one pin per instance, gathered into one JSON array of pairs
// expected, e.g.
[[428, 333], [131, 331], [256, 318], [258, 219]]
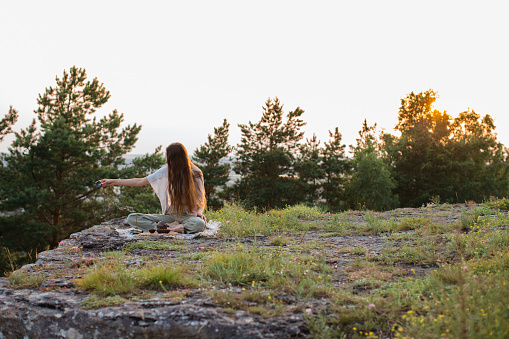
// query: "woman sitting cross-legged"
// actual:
[[180, 189]]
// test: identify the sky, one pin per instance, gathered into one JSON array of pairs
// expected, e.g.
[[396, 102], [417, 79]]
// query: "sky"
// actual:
[[179, 68]]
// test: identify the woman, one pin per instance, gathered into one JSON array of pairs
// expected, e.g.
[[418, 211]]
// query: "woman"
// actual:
[[179, 187]]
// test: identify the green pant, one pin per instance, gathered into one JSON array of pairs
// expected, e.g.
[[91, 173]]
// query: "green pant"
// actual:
[[147, 222]]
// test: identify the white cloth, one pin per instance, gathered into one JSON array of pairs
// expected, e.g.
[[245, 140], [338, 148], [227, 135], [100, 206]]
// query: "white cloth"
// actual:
[[159, 182], [210, 231]]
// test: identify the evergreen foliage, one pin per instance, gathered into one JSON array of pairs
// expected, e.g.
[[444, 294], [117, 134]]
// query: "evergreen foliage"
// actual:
[[216, 174], [47, 177], [49, 168], [308, 167], [265, 158], [335, 167], [456, 159], [418, 156], [371, 184], [6, 123], [480, 167]]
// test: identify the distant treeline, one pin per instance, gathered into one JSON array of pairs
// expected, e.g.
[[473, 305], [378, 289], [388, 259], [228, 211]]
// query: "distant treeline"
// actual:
[[435, 159], [47, 175]]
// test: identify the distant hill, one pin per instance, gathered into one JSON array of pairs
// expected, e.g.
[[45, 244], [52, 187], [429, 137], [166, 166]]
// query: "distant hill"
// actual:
[[233, 176], [130, 157]]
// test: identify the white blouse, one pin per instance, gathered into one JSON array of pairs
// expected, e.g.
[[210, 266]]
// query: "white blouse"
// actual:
[[159, 182]]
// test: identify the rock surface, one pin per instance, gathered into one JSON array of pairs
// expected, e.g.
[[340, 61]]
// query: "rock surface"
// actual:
[[54, 310]]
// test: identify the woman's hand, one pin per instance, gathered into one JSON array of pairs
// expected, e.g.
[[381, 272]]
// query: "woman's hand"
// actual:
[[107, 182], [201, 215]]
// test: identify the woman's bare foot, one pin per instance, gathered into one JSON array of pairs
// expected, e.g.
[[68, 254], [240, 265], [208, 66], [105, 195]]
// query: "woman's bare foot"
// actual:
[[176, 227], [170, 227]]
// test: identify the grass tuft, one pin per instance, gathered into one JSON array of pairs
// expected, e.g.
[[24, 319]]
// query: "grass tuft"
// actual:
[[112, 277], [95, 301], [22, 280], [237, 222], [154, 245]]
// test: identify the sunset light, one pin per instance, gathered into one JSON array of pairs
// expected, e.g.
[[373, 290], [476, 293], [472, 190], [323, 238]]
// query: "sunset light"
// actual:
[[254, 169]]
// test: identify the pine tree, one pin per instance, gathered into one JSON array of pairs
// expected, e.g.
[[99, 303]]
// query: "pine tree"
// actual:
[[368, 139], [480, 168], [208, 157], [308, 167], [370, 185], [335, 166], [418, 159], [47, 170], [265, 158], [7, 122], [435, 155]]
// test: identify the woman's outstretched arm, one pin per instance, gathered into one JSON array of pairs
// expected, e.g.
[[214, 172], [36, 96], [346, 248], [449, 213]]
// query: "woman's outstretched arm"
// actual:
[[124, 182]]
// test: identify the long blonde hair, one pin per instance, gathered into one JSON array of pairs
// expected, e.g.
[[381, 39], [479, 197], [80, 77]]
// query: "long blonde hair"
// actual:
[[185, 195]]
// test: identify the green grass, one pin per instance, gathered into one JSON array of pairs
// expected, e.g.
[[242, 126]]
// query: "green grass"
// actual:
[[498, 204], [473, 216], [237, 222], [279, 240], [416, 250], [376, 224], [278, 271], [22, 280], [431, 280], [251, 301], [464, 296], [460, 300], [176, 245], [329, 234], [339, 224], [464, 300], [353, 250], [112, 277], [195, 256], [95, 301]]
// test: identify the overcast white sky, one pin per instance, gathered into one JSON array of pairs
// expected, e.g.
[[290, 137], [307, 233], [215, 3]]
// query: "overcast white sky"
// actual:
[[179, 67]]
